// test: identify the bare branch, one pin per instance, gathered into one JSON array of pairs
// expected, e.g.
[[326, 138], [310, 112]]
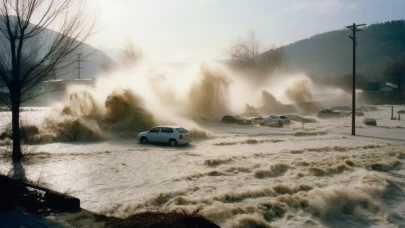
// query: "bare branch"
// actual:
[[131, 54], [246, 50], [36, 35], [36, 95]]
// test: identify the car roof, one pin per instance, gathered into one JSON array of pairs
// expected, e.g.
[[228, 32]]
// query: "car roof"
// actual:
[[169, 126]]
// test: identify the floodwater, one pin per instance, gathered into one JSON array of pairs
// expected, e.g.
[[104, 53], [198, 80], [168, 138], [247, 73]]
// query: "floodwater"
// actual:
[[238, 176]]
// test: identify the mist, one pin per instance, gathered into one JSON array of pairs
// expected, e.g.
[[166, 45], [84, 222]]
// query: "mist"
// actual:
[[132, 99]]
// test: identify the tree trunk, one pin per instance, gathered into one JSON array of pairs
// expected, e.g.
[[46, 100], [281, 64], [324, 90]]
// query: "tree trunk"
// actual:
[[15, 109]]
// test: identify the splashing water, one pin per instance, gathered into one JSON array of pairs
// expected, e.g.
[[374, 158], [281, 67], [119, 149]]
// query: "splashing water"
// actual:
[[209, 97], [126, 102]]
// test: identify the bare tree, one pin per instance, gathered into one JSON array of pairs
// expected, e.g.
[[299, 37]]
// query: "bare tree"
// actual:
[[107, 64], [29, 51], [131, 54], [246, 50], [249, 54]]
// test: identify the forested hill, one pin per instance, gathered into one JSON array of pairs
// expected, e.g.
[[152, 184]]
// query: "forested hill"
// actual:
[[329, 55], [91, 57]]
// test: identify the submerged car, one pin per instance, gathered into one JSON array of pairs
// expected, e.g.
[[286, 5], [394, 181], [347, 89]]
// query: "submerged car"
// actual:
[[173, 135], [283, 119], [275, 121], [235, 120], [347, 110], [299, 118], [370, 121], [342, 108], [327, 112], [256, 120]]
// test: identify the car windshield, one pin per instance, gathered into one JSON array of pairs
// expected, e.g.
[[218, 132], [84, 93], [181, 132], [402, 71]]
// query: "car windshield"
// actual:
[[155, 130], [181, 130]]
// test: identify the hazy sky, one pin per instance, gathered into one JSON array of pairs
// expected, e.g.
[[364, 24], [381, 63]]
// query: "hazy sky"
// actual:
[[187, 30]]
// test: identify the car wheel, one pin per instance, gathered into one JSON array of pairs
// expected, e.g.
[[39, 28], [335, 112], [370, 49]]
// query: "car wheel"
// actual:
[[144, 140], [172, 142], [280, 124]]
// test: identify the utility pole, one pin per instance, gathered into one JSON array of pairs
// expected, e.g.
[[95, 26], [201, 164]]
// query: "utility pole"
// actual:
[[354, 28], [79, 59]]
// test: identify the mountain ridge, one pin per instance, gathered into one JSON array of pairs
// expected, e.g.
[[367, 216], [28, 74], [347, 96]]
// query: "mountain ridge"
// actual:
[[329, 54]]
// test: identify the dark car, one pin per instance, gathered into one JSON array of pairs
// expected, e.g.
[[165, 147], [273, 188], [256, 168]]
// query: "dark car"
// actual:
[[235, 120], [370, 121], [342, 108], [327, 112], [347, 110]]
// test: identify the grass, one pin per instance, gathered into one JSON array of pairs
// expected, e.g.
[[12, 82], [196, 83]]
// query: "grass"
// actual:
[[14, 194], [28, 149]]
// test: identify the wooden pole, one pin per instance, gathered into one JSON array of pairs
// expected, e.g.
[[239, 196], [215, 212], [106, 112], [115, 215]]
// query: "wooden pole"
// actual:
[[354, 83], [354, 29]]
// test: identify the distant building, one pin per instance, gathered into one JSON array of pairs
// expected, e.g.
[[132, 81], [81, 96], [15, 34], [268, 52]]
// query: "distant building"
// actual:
[[388, 87], [60, 85], [380, 89]]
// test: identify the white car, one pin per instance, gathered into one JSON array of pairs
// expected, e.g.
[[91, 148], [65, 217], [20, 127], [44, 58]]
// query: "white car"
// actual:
[[173, 135]]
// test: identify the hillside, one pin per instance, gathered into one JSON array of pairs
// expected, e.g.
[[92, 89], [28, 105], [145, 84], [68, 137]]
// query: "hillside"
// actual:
[[329, 55], [67, 69], [90, 64]]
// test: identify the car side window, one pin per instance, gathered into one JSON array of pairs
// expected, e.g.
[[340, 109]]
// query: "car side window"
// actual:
[[155, 130], [167, 130]]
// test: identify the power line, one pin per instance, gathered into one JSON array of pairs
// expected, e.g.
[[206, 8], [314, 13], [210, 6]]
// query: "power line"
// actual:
[[354, 28]]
